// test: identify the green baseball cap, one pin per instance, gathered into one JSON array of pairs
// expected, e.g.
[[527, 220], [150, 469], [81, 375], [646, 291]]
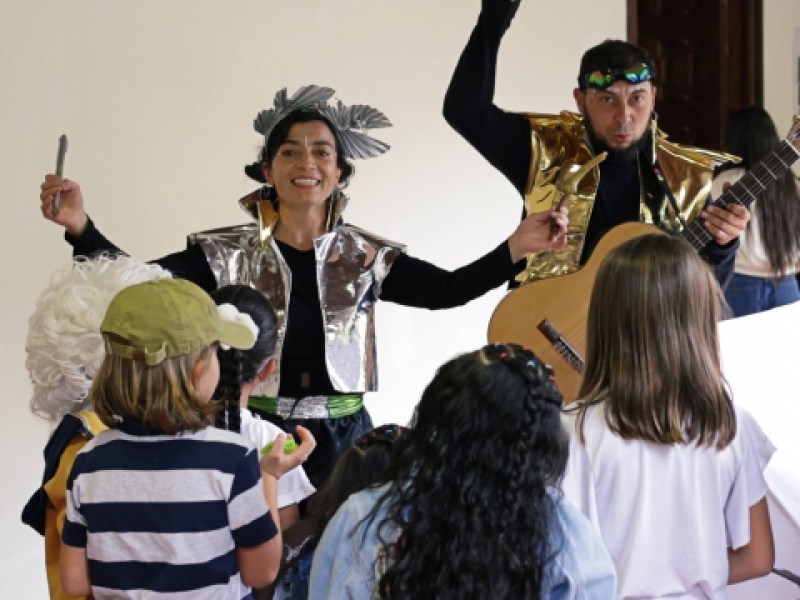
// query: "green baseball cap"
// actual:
[[166, 318]]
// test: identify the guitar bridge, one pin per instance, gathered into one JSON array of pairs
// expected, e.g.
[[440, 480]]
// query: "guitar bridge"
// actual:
[[561, 345]]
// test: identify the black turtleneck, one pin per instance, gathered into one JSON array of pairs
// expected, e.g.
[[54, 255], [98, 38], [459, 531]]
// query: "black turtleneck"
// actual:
[[617, 199], [410, 282]]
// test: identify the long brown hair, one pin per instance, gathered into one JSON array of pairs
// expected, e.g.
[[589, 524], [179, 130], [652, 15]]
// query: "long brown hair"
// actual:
[[161, 397], [652, 352], [751, 136]]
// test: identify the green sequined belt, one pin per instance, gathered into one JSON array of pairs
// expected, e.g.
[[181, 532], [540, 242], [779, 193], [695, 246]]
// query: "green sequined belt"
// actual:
[[310, 407]]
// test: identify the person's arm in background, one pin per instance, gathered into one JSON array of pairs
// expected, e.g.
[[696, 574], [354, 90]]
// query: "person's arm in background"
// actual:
[[73, 563], [259, 558], [339, 569], [757, 558], [75, 571], [503, 139]]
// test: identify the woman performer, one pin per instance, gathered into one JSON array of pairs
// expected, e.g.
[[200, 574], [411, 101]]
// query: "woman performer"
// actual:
[[321, 276]]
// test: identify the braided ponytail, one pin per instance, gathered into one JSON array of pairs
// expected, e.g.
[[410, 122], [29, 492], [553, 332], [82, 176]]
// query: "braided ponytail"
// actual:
[[242, 366], [229, 390], [470, 485]]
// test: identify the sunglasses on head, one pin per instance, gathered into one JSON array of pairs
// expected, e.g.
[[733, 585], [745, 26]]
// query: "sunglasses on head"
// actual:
[[600, 79], [385, 434]]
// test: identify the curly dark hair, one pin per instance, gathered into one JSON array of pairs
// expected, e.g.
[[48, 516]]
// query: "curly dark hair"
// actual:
[[359, 467], [237, 366], [468, 485]]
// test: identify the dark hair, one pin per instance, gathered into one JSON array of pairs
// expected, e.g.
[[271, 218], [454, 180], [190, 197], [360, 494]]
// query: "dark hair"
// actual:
[[614, 54], [652, 346], [280, 134], [751, 136], [468, 485], [242, 366], [356, 469]]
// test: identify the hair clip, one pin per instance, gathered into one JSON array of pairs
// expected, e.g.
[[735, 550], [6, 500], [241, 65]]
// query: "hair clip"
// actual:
[[503, 356]]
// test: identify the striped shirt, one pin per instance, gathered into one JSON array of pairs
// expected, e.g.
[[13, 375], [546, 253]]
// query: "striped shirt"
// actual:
[[161, 516]]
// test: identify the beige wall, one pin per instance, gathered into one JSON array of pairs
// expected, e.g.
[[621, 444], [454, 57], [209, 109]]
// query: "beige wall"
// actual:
[[781, 17], [158, 98]]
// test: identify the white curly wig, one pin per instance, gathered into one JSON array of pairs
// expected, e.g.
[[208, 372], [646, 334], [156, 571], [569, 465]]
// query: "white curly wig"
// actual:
[[64, 344]]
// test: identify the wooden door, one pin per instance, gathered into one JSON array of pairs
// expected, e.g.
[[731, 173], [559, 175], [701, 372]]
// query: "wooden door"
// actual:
[[709, 56]]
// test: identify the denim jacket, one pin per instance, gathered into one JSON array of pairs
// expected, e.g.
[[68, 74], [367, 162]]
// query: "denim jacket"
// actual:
[[345, 566]]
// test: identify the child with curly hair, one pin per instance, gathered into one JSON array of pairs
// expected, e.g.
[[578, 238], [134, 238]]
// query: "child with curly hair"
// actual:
[[469, 506]]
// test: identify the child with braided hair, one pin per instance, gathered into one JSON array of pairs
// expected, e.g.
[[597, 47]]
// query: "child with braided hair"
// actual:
[[358, 468], [240, 372], [664, 464], [468, 507]]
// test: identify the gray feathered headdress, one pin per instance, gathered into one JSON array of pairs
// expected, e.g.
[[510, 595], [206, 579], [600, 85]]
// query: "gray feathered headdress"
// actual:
[[351, 122]]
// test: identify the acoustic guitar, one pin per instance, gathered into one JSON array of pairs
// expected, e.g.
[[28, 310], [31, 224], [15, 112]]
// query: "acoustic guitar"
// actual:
[[549, 316]]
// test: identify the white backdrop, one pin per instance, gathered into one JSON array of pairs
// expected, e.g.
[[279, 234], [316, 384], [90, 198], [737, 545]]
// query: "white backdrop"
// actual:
[[158, 100], [759, 359]]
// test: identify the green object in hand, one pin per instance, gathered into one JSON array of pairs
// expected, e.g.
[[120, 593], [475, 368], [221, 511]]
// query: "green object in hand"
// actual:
[[289, 447]]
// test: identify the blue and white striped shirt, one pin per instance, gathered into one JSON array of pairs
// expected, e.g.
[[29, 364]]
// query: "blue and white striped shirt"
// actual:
[[162, 515]]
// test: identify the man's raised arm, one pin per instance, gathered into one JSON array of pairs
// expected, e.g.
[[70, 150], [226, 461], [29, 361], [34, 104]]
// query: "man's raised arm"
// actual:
[[503, 139]]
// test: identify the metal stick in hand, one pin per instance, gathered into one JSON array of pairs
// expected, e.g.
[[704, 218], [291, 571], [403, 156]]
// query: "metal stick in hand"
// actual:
[[62, 153]]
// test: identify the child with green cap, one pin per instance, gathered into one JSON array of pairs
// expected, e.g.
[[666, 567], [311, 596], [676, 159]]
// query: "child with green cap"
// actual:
[[162, 502]]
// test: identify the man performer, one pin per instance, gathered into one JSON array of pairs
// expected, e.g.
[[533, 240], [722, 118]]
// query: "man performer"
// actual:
[[644, 177]]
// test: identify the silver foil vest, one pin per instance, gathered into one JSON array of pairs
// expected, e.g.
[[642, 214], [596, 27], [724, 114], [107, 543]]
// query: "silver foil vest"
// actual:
[[351, 266]]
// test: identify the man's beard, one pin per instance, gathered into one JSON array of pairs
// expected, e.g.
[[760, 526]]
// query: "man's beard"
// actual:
[[615, 154]]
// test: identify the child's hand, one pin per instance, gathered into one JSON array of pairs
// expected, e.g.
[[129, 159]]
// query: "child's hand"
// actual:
[[276, 462]]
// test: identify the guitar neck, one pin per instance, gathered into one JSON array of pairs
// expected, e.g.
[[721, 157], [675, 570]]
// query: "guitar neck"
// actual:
[[747, 189]]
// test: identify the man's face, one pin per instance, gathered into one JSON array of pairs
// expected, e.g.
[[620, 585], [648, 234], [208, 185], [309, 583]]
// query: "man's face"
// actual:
[[618, 116]]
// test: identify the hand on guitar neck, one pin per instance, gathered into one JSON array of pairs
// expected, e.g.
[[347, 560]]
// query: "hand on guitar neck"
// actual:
[[564, 301], [726, 225]]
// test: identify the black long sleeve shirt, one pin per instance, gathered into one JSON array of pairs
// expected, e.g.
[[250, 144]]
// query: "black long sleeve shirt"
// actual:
[[504, 139], [410, 282]]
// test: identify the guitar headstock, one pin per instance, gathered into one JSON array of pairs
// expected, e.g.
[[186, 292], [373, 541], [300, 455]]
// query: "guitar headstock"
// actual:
[[794, 133]]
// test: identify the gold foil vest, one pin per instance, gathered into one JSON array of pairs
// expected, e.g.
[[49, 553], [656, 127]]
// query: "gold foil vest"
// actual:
[[559, 145], [351, 266]]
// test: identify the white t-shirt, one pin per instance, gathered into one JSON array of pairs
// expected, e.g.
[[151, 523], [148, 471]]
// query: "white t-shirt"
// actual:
[[667, 514], [294, 486], [751, 256]]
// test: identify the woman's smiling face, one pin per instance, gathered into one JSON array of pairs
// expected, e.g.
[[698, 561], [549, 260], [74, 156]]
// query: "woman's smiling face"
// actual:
[[304, 170]]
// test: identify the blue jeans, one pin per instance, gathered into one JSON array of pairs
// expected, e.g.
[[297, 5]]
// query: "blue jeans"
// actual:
[[748, 295]]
